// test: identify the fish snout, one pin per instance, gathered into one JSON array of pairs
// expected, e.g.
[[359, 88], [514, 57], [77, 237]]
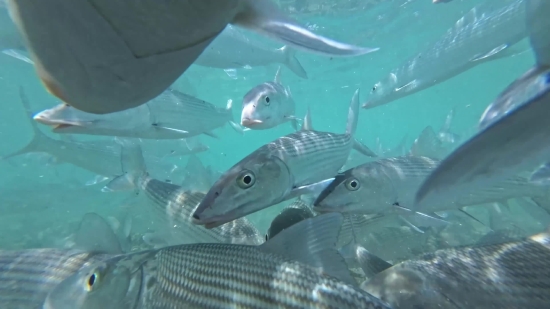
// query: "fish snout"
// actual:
[[247, 122]]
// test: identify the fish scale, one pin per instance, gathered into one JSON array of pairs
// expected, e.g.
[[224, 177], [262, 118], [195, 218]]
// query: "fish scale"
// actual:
[[26, 276], [176, 205]]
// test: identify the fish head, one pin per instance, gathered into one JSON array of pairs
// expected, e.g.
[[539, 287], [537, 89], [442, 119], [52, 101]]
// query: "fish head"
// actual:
[[358, 190], [386, 90], [64, 117], [257, 182], [108, 284], [262, 107]]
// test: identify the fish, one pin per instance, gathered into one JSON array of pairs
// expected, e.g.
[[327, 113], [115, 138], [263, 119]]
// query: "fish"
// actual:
[[297, 269], [175, 204], [101, 157], [124, 54], [171, 115], [27, 276], [390, 185], [303, 162], [511, 136], [441, 1], [506, 275], [268, 105], [234, 49], [486, 32]]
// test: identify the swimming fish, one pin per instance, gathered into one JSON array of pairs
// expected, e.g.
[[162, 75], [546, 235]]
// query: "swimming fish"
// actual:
[[485, 33], [506, 275], [268, 105], [171, 115], [104, 56], [299, 268], [233, 49], [299, 163]]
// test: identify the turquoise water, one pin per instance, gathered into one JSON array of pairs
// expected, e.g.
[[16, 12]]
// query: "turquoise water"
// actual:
[[42, 202]]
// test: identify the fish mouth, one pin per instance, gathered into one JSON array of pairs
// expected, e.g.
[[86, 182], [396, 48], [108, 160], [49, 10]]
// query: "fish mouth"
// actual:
[[210, 223], [247, 122]]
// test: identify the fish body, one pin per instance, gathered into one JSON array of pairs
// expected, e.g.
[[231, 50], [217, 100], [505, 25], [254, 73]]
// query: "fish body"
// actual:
[[295, 164], [484, 33], [172, 115], [273, 275], [268, 105], [378, 186], [233, 49], [125, 53], [505, 275]]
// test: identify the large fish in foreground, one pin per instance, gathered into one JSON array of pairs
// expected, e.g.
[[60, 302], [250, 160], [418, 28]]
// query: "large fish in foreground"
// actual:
[[27, 276], [175, 205], [104, 56], [507, 275], [172, 115], [390, 185], [484, 33], [514, 132], [232, 49], [299, 163], [299, 268]]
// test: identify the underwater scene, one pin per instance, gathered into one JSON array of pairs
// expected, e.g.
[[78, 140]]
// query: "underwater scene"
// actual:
[[274, 154]]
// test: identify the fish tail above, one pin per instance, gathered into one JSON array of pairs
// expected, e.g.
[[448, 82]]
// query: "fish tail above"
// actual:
[[353, 114], [292, 62], [40, 141]]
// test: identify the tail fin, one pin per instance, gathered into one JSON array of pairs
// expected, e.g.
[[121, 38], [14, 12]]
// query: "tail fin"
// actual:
[[237, 127], [39, 140], [292, 62], [133, 166], [353, 114]]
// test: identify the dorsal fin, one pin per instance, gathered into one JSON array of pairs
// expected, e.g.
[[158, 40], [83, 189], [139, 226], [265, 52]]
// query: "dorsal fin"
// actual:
[[277, 78], [96, 235], [306, 125]]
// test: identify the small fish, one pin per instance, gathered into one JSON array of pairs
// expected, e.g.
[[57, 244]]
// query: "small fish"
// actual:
[[172, 115], [302, 257], [390, 185], [300, 163], [27, 276], [268, 105], [485, 33], [175, 204], [512, 136], [441, 1], [233, 49], [506, 275], [124, 54]]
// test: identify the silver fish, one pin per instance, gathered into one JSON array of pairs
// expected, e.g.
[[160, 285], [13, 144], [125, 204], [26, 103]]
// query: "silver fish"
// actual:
[[268, 105], [282, 273], [124, 54], [391, 184], [512, 138], [27, 276], [233, 49], [506, 275], [484, 33], [175, 205], [300, 163], [172, 115]]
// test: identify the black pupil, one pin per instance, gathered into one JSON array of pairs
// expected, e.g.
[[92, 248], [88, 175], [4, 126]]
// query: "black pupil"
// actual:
[[267, 99], [353, 184], [247, 179], [91, 280], [373, 88]]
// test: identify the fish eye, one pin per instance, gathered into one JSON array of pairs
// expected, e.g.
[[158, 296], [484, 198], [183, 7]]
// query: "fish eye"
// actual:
[[267, 100], [92, 280], [246, 179], [352, 184], [374, 88]]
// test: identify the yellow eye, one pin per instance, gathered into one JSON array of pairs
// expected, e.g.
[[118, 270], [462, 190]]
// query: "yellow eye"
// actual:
[[246, 179], [92, 280], [352, 184]]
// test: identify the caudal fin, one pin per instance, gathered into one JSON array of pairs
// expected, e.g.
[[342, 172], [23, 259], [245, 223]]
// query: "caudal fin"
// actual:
[[353, 114], [266, 18], [40, 141], [292, 62]]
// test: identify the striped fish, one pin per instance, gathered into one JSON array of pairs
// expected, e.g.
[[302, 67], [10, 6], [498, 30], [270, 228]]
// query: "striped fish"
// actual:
[[508, 275], [282, 273], [299, 163], [171, 115], [377, 187]]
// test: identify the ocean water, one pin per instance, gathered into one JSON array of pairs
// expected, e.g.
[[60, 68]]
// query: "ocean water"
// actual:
[[41, 201]]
